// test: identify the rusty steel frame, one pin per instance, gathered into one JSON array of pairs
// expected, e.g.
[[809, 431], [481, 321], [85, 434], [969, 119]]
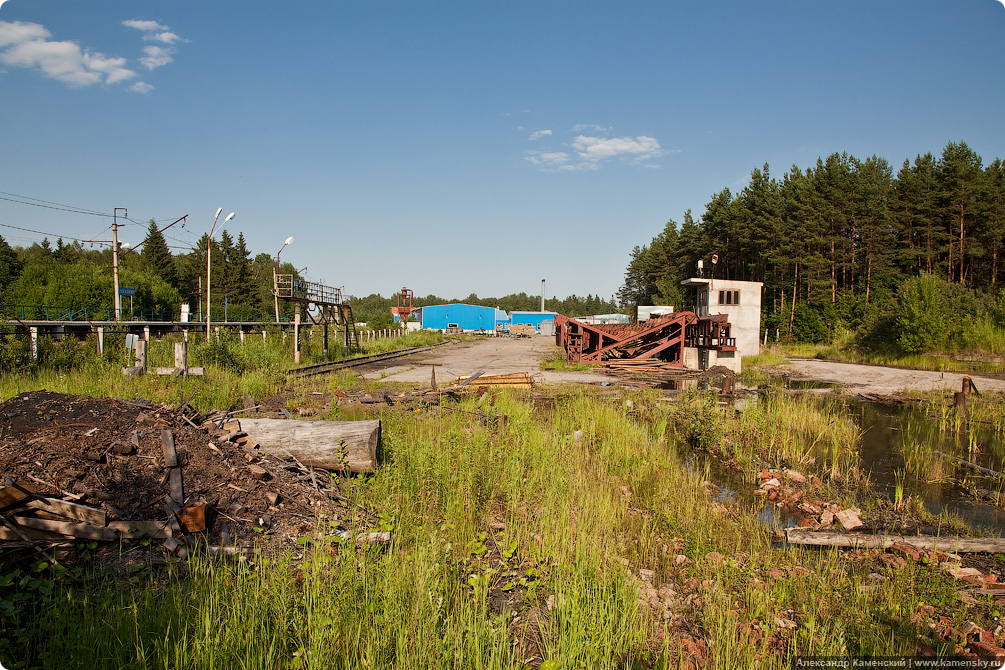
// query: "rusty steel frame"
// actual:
[[663, 337], [405, 307], [332, 309]]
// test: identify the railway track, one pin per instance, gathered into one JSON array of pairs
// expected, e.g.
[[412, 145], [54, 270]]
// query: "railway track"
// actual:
[[323, 368]]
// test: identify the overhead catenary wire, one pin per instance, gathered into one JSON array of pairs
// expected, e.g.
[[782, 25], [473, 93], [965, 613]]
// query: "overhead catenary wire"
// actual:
[[49, 204]]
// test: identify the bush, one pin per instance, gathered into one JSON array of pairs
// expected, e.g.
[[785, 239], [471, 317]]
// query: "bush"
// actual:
[[922, 317], [808, 325]]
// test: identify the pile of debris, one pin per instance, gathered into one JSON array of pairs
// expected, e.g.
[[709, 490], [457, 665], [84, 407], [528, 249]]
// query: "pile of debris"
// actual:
[[80, 469]]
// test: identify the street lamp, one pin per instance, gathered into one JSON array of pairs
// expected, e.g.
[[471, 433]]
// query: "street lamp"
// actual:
[[275, 275], [209, 256]]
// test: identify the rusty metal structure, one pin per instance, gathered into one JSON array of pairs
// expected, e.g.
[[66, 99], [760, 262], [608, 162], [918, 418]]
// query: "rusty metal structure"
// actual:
[[327, 304], [663, 338], [404, 308]]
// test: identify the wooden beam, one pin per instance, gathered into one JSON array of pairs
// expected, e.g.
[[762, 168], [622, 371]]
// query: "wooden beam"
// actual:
[[958, 545]]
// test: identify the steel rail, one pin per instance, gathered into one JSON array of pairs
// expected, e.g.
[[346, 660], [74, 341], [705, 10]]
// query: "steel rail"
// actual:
[[322, 368]]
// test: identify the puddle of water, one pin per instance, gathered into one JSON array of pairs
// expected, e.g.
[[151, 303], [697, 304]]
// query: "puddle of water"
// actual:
[[886, 430], [889, 430]]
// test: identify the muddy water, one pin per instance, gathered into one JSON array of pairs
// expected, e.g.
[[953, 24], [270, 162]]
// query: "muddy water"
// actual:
[[885, 430]]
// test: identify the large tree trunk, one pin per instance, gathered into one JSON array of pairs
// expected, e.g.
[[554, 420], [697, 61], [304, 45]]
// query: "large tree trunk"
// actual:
[[333, 445]]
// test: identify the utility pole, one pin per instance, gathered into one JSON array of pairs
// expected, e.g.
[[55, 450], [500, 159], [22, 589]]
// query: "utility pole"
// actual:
[[115, 258]]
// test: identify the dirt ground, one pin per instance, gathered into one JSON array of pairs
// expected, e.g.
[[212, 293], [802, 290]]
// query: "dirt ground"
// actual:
[[876, 380], [505, 355], [493, 355], [109, 455]]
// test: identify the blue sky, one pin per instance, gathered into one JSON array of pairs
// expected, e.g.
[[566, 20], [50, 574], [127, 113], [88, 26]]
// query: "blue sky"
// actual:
[[459, 147]]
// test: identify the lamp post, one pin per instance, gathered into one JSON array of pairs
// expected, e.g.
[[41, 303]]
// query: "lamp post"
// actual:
[[209, 256], [275, 275]]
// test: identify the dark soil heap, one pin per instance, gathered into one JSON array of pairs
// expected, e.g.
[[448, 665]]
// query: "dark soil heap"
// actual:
[[60, 453]]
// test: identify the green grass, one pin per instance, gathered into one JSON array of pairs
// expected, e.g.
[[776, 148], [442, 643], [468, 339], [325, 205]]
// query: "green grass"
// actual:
[[585, 494]]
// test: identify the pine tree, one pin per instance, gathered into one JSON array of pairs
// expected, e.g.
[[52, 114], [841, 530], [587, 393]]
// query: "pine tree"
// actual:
[[156, 256], [10, 265]]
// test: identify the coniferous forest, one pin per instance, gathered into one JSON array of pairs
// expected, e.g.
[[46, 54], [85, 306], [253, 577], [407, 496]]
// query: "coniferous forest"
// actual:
[[912, 258]]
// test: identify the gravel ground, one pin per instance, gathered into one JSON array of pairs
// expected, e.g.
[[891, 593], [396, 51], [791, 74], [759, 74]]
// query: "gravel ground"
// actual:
[[880, 381], [494, 355]]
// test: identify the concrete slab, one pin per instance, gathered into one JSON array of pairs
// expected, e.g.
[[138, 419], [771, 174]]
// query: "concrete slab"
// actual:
[[494, 355]]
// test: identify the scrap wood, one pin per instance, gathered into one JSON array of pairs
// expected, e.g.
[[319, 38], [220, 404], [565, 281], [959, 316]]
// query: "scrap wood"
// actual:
[[514, 380], [115, 530], [15, 493], [70, 510], [25, 537]]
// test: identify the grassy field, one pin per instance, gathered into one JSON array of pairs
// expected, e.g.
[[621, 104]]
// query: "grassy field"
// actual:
[[581, 532]]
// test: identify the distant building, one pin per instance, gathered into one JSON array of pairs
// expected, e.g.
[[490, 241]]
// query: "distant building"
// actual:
[[461, 316], [599, 319], [647, 312], [535, 319], [741, 301]]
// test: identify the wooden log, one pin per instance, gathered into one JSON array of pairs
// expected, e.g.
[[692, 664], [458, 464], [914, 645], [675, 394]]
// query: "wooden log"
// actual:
[[959, 545], [333, 445], [962, 461]]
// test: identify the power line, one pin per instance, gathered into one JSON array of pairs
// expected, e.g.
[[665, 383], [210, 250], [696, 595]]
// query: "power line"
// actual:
[[49, 204], [57, 236]]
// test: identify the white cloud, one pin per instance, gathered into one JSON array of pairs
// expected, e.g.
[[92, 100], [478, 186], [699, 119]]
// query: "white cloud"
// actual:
[[580, 127], [165, 37], [589, 152], [548, 159], [146, 26], [27, 45], [595, 149], [156, 57], [19, 31]]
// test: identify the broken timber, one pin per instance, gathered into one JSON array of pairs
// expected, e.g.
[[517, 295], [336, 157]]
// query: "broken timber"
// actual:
[[332, 445], [521, 380], [957, 545]]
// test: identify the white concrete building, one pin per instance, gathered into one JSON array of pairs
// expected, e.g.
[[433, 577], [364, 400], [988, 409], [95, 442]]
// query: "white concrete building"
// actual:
[[740, 301]]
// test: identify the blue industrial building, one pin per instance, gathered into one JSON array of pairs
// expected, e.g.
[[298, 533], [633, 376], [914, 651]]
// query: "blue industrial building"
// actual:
[[462, 316]]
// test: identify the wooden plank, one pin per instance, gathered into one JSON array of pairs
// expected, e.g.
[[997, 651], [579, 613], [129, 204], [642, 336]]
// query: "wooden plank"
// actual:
[[170, 455], [10, 535], [959, 545], [79, 530], [71, 510], [177, 489], [333, 445], [115, 530], [155, 529], [16, 493]]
